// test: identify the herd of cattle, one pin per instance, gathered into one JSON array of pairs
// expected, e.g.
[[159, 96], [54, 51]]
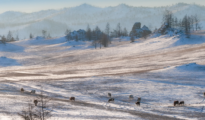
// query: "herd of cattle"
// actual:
[[131, 97]]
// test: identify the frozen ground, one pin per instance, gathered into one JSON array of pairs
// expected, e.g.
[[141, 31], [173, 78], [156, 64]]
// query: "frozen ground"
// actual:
[[159, 70]]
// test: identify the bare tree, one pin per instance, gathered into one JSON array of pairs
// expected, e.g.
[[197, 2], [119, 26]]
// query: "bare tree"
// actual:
[[28, 113], [40, 112], [44, 111], [196, 21], [191, 20]]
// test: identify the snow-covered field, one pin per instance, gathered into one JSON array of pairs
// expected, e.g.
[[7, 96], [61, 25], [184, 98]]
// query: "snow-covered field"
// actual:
[[160, 70]]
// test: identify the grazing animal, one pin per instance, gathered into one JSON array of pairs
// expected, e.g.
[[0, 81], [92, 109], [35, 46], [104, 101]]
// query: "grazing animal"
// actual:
[[176, 103], [181, 103], [111, 100], [22, 90], [139, 99], [137, 103], [35, 102], [72, 98], [109, 94], [131, 96], [33, 91]]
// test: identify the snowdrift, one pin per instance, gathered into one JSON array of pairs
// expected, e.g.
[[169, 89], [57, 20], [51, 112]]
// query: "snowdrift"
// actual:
[[10, 47], [191, 67], [5, 62], [194, 39]]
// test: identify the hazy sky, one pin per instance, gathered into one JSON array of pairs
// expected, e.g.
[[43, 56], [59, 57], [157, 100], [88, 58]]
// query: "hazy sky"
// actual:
[[37, 5]]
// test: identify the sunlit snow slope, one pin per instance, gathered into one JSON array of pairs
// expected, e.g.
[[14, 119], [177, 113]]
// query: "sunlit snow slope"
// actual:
[[160, 70]]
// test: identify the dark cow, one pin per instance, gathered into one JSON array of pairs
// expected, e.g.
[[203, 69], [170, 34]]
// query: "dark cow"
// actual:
[[139, 99], [33, 91], [72, 98], [35, 102], [109, 94], [111, 100], [181, 103], [22, 90], [137, 103], [176, 103], [131, 97]]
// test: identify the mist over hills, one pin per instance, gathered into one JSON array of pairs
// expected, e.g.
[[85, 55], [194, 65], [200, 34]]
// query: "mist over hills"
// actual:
[[56, 22]]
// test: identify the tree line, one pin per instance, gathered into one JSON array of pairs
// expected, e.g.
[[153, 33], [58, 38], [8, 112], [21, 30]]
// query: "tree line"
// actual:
[[187, 24], [9, 38], [103, 37], [99, 37]]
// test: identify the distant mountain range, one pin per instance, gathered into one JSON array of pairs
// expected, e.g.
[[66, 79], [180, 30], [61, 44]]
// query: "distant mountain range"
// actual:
[[57, 21]]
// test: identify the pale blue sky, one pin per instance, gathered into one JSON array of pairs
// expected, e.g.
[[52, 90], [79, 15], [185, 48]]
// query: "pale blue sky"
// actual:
[[37, 5]]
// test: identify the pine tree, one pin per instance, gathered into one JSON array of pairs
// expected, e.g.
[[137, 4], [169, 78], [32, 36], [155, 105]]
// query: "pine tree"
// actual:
[[31, 36], [107, 32], [118, 30], [49, 36], [44, 33], [12, 39], [94, 38], [168, 18], [3, 39], [175, 23], [9, 36], [88, 33], [125, 33], [76, 38], [67, 32], [105, 40], [186, 25], [17, 37], [107, 29], [98, 33]]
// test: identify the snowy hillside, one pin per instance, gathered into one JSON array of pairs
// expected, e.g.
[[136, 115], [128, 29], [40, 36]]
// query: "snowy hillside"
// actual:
[[158, 70], [57, 21]]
